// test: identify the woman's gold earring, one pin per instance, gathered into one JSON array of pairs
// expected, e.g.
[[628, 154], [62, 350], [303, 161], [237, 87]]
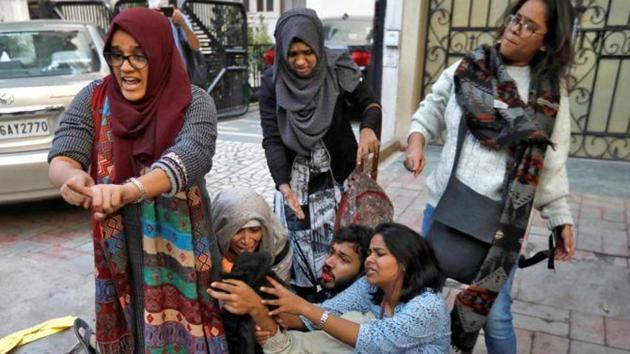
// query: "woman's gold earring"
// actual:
[[543, 49]]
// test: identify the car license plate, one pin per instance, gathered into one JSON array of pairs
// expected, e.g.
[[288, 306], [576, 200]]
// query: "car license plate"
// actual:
[[24, 128]]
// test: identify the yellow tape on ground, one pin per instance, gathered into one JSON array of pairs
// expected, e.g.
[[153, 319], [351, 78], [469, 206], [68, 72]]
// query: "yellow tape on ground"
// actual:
[[34, 333]]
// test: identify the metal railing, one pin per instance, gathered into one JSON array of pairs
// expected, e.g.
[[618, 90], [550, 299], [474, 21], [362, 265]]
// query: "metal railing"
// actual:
[[93, 12], [601, 68], [221, 27], [222, 30], [257, 65]]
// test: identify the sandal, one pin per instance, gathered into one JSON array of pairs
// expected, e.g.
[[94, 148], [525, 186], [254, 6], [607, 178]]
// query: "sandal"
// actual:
[[87, 333]]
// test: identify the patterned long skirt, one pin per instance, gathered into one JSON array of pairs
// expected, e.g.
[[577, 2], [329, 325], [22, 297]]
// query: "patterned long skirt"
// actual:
[[319, 195]]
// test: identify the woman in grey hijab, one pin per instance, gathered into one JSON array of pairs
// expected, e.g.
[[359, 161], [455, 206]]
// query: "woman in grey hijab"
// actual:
[[243, 222], [308, 141]]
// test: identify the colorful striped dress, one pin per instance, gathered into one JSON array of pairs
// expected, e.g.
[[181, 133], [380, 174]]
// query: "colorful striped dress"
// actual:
[[154, 261]]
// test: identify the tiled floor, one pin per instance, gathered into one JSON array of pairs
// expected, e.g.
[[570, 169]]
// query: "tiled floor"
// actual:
[[581, 308]]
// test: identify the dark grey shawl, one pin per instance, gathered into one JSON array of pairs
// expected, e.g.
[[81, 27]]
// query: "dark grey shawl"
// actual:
[[305, 106]]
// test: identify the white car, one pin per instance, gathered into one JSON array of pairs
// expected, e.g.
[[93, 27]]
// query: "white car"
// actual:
[[43, 65]]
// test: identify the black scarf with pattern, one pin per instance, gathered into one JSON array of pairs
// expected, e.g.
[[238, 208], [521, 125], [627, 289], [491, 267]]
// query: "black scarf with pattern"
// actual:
[[499, 119]]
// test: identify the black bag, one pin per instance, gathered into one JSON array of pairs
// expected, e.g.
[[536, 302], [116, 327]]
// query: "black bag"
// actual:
[[464, 225], [195, 63]]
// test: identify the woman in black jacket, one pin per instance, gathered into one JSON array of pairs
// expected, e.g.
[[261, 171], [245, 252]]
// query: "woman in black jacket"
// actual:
[[308, 141]]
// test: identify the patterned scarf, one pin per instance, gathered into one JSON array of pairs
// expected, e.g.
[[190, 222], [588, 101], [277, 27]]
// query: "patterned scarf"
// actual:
[[499, 119], [179, 316]]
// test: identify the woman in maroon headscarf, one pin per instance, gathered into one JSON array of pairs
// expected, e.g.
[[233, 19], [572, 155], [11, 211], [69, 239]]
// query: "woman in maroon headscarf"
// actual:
[[149, 137]]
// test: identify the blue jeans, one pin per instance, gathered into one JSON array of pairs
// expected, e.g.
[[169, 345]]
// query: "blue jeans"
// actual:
[[499, 330]]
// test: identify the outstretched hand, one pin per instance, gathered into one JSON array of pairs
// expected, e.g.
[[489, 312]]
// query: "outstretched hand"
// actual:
[[286, 301], [262, 335], [292, 200], [565, 244], [178, 18], [415, 160], [108, 198], [75, 190], [238, 297]]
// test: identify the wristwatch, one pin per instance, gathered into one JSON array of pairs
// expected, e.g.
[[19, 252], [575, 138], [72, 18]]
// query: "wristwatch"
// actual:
[[322, 320]]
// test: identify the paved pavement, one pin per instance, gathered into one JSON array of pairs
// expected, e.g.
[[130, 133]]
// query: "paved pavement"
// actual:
[[581, 308]]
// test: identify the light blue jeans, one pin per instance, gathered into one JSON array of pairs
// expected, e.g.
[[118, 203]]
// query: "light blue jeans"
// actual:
[[499, 330]]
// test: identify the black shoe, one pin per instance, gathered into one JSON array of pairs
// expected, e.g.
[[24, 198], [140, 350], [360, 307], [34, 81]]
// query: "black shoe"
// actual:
[[87, 333]]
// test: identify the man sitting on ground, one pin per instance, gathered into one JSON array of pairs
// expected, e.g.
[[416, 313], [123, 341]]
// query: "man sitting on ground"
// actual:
[[343, 265], [345, 260]]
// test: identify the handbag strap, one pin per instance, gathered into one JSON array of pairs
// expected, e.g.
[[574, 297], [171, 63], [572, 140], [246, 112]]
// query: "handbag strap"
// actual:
[[461, 136], [375, 157], [373, 168], [540, 256], [374, 171]]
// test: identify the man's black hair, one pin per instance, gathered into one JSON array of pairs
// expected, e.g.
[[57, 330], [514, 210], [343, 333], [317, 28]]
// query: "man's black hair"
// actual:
[[358, 235]]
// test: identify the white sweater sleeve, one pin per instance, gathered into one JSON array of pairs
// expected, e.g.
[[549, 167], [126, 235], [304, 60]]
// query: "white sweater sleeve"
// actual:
[[429, 117], [553, 187]]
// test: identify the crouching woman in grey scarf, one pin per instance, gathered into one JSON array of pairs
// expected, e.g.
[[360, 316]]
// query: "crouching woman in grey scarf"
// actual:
[[243, 222], [309, 144]]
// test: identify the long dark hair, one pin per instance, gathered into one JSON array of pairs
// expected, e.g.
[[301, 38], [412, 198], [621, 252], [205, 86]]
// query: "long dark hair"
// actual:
[[416, 256], [554, 63]]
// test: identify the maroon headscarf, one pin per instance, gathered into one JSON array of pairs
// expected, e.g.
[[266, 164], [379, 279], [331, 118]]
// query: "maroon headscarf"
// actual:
[[143, 129]]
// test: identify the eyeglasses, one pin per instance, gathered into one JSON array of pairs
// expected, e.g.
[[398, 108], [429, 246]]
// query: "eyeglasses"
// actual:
[[527, 28], [116, 60]]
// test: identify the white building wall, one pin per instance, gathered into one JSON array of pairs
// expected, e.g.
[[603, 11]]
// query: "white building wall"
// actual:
[[403, 57], [391, 59]]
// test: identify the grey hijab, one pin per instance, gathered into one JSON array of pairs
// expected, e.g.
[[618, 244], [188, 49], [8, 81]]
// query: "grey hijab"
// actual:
[[234, 207], [305, 106]]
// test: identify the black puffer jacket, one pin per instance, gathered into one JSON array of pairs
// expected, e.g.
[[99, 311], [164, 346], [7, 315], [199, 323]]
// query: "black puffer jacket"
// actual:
[[252, 269]]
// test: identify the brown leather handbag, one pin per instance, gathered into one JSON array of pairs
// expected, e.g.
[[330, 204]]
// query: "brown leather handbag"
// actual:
[[364, 202]]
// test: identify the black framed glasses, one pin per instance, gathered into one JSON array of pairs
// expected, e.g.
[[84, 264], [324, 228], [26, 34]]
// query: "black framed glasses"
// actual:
[[136, 61], [527, 28]]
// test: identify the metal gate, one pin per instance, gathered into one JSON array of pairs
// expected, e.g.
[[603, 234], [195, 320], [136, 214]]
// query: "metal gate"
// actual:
[[122, 5], [94, 12], [221, 27], [600, 76], [223, 38]]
